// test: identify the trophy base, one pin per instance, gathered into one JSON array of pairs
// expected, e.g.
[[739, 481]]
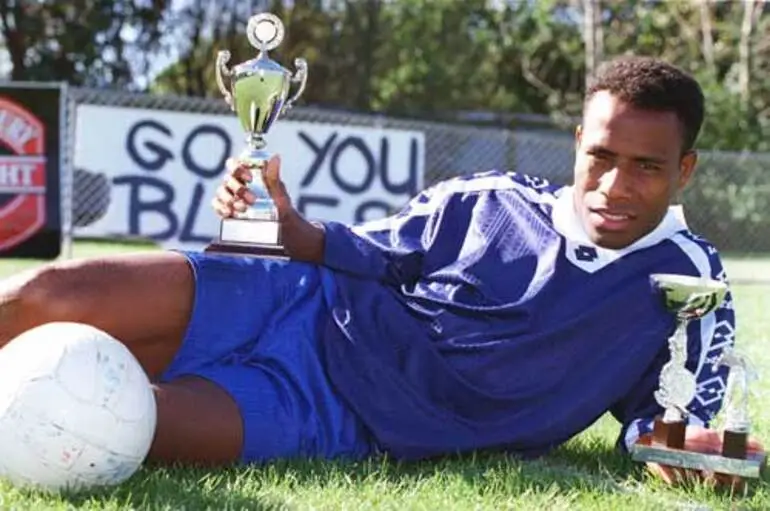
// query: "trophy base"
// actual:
[[749, 467], [250, 237], [667, 448], [260, 251]]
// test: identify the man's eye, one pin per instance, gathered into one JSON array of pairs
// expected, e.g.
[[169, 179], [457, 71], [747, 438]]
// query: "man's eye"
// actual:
[[649, 167]]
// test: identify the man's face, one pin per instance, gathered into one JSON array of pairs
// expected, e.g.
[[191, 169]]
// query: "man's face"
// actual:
[[628, 168]]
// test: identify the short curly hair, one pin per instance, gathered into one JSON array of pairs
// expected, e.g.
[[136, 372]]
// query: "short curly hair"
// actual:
[[652, 84]]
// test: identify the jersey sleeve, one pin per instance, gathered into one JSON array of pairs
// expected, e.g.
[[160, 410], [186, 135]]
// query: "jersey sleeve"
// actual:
[[707, 339], [429, 232], [390, 249]]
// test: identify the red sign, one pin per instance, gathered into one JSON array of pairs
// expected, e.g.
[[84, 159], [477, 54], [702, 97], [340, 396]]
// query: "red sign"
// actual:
[[22, 174], [31, 145]]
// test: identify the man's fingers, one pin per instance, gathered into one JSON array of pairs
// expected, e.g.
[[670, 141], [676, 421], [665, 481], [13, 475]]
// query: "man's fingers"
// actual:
[[676, 475], [225, 196], [239, 169], [234, 186], [240, 206], [754, 446], [226, 208], [231, 164], [239, 174], [660, 471], [248, 197], [220, 208], [234, 194], [670, 475], [234, 190], [243, 174]]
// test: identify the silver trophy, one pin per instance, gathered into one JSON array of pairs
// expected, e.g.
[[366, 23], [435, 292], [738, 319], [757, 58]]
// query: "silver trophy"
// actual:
[[737, 391], [691, 298], [258, 92]]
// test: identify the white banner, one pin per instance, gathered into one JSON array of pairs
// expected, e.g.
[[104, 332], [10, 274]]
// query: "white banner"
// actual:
[[164, 168]]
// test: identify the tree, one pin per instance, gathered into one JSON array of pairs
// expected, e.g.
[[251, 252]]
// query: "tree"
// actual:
[[436, 57], [83, 42]]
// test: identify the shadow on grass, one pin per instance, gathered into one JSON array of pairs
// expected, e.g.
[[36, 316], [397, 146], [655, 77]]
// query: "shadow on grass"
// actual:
[[179, 488], [588, 467], [264, 487]]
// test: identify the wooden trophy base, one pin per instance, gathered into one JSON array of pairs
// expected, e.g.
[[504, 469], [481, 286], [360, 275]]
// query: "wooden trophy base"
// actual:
[[669, 434], [261, 251], [667, 448], [254, 238]]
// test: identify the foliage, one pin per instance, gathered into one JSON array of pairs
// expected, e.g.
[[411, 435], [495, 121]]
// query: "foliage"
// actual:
[[82, 42], [439, 59], [418, 58]]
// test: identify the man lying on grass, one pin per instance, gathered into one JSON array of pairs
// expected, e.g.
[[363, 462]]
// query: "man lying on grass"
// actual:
[[494, 311]]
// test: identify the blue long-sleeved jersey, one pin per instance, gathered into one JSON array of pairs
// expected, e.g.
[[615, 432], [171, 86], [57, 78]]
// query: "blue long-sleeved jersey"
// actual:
[[481, 316]]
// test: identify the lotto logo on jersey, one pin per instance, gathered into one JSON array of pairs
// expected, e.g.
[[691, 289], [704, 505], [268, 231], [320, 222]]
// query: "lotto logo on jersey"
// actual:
[[22, 174]]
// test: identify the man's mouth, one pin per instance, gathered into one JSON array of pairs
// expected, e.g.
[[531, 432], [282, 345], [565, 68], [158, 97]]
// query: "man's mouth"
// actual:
[[610, 220]]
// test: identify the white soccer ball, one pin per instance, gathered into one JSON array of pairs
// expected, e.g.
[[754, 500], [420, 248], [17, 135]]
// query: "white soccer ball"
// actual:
[[76, 409]]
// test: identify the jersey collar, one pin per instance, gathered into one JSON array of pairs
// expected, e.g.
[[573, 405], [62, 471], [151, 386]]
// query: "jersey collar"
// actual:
[[568, 224]]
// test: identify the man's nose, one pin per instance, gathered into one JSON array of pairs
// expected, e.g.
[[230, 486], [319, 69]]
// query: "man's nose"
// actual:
[[615, 183]]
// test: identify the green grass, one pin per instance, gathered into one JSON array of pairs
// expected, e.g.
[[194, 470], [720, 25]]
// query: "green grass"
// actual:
[[586, 473]]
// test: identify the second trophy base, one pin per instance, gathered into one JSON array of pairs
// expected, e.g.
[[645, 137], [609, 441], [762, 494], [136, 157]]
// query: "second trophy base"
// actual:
[[668, 449], [749, 467], [251, 237]]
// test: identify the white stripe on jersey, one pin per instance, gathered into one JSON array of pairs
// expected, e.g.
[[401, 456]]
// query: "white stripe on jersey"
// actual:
[[430, 199]]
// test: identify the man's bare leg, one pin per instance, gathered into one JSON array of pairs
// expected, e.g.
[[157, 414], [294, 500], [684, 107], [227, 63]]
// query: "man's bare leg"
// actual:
[[198, 423], [145, 301]]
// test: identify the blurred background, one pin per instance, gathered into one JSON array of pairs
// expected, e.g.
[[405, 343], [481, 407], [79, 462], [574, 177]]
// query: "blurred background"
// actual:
[[489, 84]]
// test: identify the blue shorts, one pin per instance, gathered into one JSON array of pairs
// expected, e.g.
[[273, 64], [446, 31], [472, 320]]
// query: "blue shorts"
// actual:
[[254, 331]]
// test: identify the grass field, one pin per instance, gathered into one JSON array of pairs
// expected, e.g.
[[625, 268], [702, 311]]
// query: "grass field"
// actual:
[[586, 473]]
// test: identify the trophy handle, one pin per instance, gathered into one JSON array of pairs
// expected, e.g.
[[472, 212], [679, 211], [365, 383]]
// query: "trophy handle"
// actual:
[[300, 76], [221, 72]]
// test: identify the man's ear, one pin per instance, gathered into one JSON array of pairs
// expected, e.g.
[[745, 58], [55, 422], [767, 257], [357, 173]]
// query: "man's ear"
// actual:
[[686, 169], [578, 135]]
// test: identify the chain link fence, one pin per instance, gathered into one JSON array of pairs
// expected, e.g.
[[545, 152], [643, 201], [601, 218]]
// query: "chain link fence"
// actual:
[[728, 201]]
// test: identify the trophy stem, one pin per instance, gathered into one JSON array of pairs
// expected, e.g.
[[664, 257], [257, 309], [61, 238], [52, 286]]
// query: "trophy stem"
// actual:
[[671, 415], [256, 141], [680, 339]]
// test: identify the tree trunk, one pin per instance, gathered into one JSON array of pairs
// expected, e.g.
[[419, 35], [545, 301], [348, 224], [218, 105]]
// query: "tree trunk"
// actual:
[[744, 50], [11, 23], [593, 36], [707, 35]]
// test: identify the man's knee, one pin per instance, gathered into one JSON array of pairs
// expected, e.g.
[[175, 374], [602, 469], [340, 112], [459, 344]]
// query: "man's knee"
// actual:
[[51, 289], [32, 297]]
